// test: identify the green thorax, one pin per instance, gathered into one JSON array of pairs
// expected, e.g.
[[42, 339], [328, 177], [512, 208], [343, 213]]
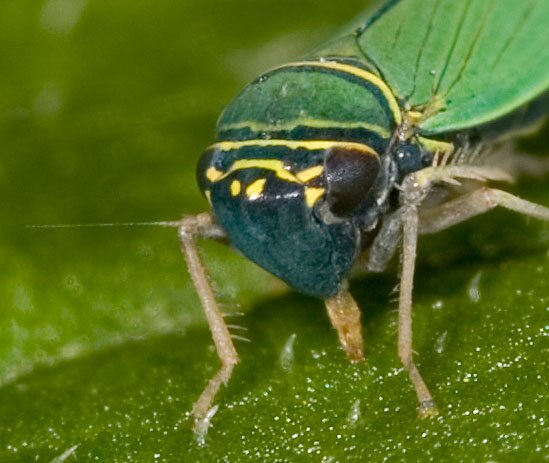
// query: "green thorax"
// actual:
[[322, 99]]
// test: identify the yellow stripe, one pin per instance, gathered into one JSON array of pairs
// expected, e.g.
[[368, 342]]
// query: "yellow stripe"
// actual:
[[281, 169], [436, 145], [275, 165], [293, 144], [255, 190], [212, 174], [312, 195], [358, 72], [278, 167], [256, 126], [310, 173], [208, 195]]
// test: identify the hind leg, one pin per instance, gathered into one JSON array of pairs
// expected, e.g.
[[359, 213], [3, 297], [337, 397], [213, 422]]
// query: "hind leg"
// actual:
[[476, 203]]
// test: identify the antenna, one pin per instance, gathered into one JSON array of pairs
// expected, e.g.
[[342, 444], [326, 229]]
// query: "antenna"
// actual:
[[166, 224]]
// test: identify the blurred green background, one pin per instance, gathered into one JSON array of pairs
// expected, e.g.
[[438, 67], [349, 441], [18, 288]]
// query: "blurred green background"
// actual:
[[106, 106]]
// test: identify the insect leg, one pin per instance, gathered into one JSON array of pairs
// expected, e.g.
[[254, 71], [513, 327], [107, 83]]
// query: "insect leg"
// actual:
[[345, 317], [190, 229], [385, 243], [526, 164], [475, 203], [427, 406], [414, 189]]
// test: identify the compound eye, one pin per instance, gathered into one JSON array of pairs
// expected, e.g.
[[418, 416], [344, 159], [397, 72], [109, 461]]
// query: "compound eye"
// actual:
[[350, 174]]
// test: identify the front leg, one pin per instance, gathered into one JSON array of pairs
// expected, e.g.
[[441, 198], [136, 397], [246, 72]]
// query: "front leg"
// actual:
[[415, 188], [190, 229], [413, 192]]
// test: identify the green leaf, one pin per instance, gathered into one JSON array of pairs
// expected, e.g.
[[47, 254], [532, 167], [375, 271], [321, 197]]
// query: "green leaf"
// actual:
[[103, 346]]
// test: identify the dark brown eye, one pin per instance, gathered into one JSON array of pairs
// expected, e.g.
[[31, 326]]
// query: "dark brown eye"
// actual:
[[350, 174]]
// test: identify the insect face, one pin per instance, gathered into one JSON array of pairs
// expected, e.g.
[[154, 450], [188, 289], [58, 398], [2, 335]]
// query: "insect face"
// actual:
[[296, 174]]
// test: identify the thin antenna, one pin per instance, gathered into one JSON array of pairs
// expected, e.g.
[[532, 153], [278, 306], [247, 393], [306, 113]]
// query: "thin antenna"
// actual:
[[173, 224]]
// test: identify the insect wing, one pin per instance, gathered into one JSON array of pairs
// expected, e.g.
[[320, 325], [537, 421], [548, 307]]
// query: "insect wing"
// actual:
[[472, 61]]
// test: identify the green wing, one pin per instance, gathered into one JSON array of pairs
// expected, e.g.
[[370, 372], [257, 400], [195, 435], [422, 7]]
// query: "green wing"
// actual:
[[479, 59]]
